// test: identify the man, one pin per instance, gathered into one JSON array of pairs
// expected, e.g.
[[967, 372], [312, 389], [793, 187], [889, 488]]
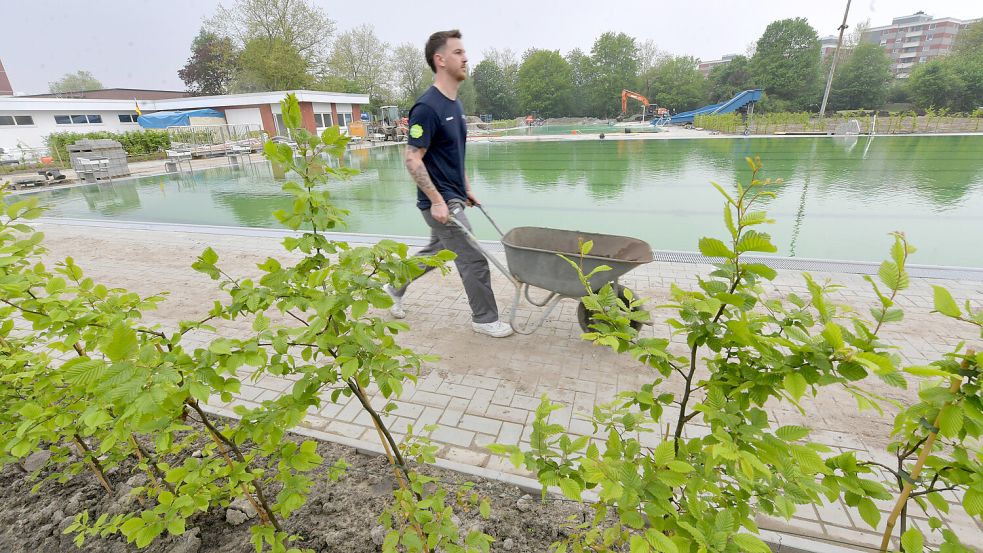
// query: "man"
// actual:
[[435, 159]]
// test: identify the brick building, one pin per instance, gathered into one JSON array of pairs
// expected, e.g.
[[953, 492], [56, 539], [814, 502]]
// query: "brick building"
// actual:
[[916, 38]]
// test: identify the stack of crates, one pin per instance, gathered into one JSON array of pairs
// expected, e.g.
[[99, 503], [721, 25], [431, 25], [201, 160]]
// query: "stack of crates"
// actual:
[[101, 149]]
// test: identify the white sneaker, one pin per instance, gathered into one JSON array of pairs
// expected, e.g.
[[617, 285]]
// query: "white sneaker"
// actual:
[[396, 310], [495, 329]]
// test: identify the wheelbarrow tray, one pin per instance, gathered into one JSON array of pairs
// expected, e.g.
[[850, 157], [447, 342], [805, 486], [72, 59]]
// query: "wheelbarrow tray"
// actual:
[[531, 254]]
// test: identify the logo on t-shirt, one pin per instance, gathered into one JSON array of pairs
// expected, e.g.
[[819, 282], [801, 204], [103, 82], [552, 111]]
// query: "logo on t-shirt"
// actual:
[[416, 131]]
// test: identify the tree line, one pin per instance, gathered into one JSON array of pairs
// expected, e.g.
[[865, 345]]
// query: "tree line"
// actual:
[[264, 45]]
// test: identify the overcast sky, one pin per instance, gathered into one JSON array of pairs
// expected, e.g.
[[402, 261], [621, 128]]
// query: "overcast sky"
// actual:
[[142, 43]]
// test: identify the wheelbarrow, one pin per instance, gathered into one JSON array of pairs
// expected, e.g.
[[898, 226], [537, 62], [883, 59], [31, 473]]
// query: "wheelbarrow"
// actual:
[[532, 257]]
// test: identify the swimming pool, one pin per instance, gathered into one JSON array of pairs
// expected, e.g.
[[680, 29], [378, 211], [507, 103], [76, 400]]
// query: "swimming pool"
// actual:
[[840, 198]]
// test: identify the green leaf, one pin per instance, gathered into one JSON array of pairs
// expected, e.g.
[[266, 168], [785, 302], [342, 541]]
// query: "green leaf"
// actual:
[[795, 384], [220, 347], [912, 541], [122, 344], [792, 433], [750, 544], [944, 303], [209, 256], [950, 420], [660, 541], [571, 488], [973, 502], [754, 241], [638, 545], [484, 509], [711, 247], [176, 527], [868, 512], [893, 277], [761, 270], [663, 453]]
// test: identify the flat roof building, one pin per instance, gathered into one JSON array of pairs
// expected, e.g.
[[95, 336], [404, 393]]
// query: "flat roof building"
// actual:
[[25, 121], [706, 66]]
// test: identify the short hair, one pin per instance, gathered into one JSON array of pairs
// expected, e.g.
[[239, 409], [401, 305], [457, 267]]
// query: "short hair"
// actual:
[[436, 42]]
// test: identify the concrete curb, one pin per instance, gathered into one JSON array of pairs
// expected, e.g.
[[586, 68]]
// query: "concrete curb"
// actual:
[[779, 542]]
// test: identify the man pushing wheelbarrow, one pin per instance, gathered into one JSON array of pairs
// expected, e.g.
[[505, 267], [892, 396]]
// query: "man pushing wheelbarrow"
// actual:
[[435, 159]]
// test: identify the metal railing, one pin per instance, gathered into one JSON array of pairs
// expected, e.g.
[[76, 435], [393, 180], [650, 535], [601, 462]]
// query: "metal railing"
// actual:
[[216, 140]]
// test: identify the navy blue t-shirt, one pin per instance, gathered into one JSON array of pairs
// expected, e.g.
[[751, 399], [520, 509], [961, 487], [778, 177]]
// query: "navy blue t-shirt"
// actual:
[[437, 123]]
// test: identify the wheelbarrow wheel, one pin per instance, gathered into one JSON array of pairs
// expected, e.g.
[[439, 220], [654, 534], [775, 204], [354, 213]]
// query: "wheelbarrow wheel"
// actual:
[[585, 320]]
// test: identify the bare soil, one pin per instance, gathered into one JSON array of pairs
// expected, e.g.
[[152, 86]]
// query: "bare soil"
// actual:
[[338, 517]]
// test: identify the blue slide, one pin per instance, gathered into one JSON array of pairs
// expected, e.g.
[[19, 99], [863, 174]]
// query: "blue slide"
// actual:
[[737, 102]]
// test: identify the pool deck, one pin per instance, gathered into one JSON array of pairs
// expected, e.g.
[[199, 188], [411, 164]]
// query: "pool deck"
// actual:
[[484, 390]]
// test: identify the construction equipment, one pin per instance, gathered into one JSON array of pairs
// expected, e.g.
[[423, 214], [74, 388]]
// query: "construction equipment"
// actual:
[[649, 110], [389, 125]]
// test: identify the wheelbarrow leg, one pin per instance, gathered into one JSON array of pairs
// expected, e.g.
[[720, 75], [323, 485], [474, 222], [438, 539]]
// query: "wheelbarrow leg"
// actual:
[[550, 303]]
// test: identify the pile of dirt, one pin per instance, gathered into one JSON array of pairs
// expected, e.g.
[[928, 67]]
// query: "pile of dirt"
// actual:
[[339, 516]]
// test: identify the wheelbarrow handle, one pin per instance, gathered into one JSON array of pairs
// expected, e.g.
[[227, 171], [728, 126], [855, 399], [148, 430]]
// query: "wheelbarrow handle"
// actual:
[[490, 220], [474, 240]]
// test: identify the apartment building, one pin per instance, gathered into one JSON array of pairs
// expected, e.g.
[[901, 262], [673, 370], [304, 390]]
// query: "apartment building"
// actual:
[[916, 38]]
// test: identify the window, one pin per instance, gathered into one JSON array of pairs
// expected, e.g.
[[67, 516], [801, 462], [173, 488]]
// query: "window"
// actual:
[[77, 119], [281, 128], [323, 120], [128, 118], [344, 119], [16, 120]]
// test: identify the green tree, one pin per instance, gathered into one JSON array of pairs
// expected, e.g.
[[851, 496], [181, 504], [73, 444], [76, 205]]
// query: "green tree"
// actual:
[[74, 82], [582, 75], [677, 84], [934, 84], [726, 80], [212, 66], [545, 83], [271, 64], [360, 56], [862, 81], [304, 27], [493, 93], [954, 82], [468, 96], [649, 56], [786, 63], [410, 72], [970, 39], [614, 58]]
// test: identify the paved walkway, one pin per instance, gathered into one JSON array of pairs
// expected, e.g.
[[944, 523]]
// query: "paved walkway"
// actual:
[[484, 391]]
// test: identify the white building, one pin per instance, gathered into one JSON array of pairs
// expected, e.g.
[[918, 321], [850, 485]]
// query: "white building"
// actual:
[[26, 121]]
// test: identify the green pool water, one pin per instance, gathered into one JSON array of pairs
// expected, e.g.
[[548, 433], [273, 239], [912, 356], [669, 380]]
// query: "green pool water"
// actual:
[[839, 199]]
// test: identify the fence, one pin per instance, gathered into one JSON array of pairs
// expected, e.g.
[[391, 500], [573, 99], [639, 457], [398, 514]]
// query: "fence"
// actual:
[[216, 140]]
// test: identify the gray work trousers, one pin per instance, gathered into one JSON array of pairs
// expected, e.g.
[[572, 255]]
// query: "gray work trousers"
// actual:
[[470, 262]]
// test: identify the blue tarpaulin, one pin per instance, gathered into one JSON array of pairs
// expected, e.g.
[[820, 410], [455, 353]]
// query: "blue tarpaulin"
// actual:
[[164, 119]]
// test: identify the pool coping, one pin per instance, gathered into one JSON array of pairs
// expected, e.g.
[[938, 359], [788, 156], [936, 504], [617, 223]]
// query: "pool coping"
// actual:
[[973, 274]]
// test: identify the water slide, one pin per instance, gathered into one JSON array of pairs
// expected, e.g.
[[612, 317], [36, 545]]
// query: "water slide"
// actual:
[[737, 102]]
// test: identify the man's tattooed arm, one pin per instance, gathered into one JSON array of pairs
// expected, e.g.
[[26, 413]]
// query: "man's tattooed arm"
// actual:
[[414, 164]]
